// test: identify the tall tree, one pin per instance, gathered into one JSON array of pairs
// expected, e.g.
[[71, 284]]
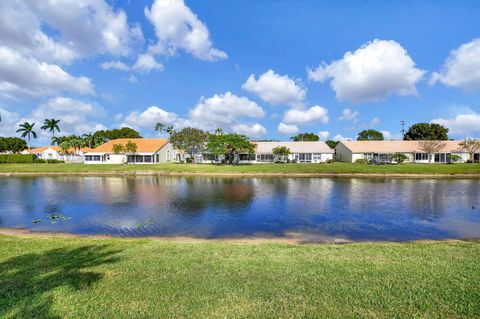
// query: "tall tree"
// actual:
[[230, 145], [370, 135], [89, 140], [189, 140], [426, 131], [107, 135], [12, 144], [27, 131], [471, 146], [305, 137], [51, 125], [431, 147]]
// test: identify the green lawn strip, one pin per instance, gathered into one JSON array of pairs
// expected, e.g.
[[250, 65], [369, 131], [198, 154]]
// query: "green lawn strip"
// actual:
[[291, 168], [139, 278]]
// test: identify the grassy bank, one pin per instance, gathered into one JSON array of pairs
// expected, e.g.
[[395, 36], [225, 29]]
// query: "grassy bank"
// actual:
[[120, 278], [346, 168]]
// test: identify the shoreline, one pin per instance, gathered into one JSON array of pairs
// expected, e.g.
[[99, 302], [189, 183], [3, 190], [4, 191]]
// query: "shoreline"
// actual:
[[234, 174], [289, 238]]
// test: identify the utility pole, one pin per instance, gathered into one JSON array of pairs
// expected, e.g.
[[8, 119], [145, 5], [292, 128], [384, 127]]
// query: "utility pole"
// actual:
[[403, 128]]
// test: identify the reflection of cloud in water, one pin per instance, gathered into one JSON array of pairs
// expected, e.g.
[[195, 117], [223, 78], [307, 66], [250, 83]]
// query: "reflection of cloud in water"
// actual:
[[368, 209]]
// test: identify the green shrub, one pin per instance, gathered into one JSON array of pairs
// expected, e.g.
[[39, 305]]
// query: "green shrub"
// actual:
[[399, 157], [54, 161], [17, 158], [328, 161], [361, 161], [454, 158]]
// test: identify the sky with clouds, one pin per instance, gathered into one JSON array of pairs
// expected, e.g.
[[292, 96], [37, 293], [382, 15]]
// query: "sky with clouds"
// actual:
[[267, 69]]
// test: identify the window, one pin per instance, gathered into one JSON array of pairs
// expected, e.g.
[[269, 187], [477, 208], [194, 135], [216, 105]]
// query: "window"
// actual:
[[304, 157], [265, 158], [421, 156], [92, 158], [209, 157], [246, 157], [158, 158]]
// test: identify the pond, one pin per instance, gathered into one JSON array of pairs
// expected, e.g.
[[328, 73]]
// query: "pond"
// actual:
[[355, 209]]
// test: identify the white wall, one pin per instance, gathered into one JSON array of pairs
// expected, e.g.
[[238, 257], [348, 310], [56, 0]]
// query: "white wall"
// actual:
[[343, 154]]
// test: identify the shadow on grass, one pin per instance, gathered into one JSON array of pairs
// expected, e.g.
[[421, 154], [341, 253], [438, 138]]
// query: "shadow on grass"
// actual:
[[27, 281]]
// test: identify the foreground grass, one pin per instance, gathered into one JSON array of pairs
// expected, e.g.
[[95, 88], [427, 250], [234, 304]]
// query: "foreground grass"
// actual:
[[255, 168], [120, 278]]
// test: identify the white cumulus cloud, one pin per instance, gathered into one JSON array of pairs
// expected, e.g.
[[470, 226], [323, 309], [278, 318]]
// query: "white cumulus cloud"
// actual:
[[276, 89], [148, 118], [146, 63], [462, 125], [83, 28], [314, 114], [389, 136], [254, 130], [323, 135], [222, 110], [371, 73], [462, 68], [349, 115], [22, 76], [177, 27], [287, 129], [76, 117], [339, 137]]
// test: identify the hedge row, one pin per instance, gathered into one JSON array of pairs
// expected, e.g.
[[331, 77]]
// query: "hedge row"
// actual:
[[17, 158]]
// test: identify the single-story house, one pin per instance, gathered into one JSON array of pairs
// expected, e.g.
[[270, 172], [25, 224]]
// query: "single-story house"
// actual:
[[56, 153], [45, 152], [301, 152], [350, 151], [149, 151]]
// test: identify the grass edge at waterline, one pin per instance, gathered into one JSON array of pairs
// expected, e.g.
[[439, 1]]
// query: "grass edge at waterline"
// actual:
[[291, 168]]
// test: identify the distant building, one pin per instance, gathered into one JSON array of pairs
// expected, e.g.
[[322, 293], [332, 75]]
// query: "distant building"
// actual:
[[301, 152], [149, 151], [45, 152], [350, 151]]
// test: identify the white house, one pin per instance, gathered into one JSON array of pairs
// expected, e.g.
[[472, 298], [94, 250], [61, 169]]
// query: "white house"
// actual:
[[301, 152], [149, 151], [45, 152], [350, 151]]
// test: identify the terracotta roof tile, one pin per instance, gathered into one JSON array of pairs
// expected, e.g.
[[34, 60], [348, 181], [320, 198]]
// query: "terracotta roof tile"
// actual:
[[144, 145]]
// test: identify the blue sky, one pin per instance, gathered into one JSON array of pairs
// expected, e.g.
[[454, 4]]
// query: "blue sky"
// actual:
[[268, 69]]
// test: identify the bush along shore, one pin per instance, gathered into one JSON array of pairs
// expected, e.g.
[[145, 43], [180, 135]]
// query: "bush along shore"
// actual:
[[254, 169]]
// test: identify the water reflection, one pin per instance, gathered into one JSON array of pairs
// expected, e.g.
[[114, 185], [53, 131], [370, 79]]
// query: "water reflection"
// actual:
[[356, 209]]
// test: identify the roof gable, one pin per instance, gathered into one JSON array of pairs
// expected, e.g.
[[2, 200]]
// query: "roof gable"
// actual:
[[144, 145]]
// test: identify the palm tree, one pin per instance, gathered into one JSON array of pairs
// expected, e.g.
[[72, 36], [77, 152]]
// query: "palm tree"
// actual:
[[27, 131], [57, 140], [51, 125], [77, 143], [89, 139]]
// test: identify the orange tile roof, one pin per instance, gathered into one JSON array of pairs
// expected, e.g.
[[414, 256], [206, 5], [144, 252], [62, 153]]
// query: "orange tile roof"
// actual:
[[144, 145], [42, 149], [394, 146]]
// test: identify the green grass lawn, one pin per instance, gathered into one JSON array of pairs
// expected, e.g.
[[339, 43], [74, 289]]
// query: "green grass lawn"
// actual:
[[254, 168], [142, 278]]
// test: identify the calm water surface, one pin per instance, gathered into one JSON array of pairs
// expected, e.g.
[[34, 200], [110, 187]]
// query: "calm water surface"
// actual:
[[206, 207]]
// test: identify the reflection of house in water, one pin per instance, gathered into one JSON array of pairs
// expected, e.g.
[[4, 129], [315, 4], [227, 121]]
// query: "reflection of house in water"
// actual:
[[196, 194]]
